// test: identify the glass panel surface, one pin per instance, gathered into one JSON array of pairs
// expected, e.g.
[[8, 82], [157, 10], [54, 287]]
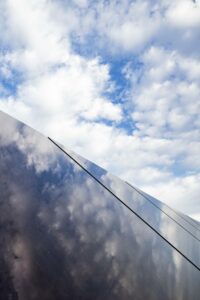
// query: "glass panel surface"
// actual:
[[190, 220], [182, 219], [175, 229], [98, 172], [64, 236]]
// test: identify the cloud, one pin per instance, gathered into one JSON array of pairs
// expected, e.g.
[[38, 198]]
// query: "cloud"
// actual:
[[137, 22], [178, 11], [166, 100], [56, 75]]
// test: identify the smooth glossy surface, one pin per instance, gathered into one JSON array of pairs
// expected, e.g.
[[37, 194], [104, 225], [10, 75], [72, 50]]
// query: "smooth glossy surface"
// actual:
[[182, 219], [192, 221], [64, 236], [171, 226]]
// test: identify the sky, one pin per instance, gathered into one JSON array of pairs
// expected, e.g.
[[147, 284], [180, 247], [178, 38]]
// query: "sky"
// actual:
[[118, 82]]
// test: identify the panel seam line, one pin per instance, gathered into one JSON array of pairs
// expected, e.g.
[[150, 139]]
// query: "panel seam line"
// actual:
[[125, 205]]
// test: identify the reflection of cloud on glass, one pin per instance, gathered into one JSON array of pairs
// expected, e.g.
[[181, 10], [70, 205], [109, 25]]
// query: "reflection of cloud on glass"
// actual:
[[11, 129], [113, 247], [172, 228], [65, 236], [38, 150]]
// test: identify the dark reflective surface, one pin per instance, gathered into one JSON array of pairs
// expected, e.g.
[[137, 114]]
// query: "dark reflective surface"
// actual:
[[63, 236], [171, 226]]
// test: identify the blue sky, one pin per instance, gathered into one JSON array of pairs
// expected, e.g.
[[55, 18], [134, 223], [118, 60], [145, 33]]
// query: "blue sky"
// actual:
[[116, 81]]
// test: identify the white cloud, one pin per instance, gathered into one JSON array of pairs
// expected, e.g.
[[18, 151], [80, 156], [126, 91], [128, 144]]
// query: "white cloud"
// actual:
[[184, 14], [56, 81], [122, 25], [81, 3], [67, 95], [166, 101]]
